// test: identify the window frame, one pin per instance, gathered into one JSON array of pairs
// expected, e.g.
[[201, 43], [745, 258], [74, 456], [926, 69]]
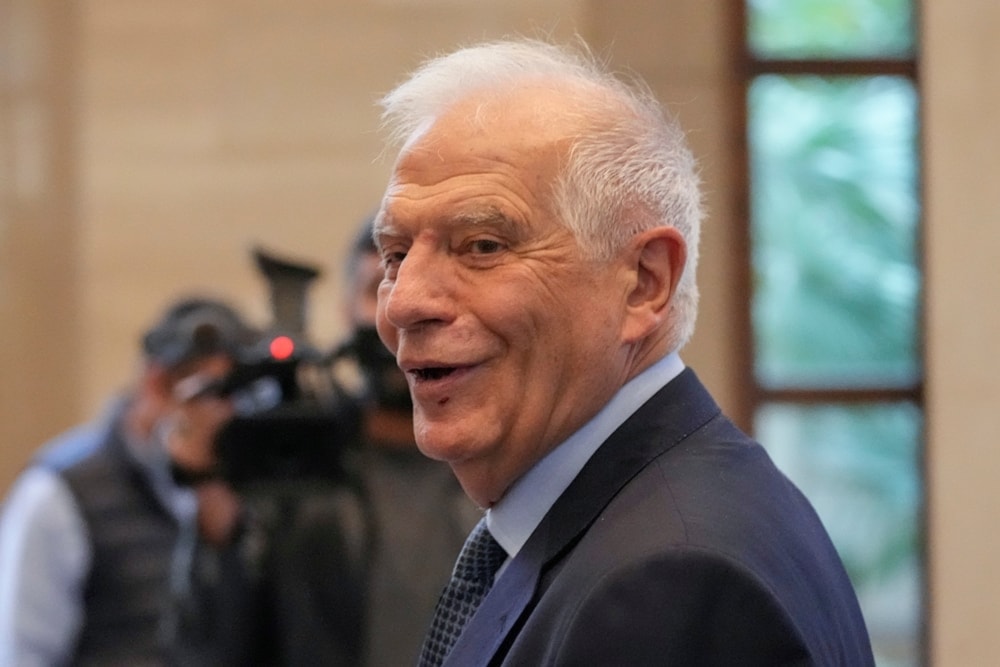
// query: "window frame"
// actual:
[[751, 393], [749, 66]]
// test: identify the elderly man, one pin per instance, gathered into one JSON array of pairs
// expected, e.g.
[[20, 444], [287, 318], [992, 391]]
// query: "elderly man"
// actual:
[[539, 239]]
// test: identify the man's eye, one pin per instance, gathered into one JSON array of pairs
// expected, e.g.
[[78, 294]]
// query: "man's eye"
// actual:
[[390, 257], [391, 261], [486, 246]]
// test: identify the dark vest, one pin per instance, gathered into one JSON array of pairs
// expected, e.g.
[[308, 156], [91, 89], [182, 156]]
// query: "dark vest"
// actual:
[[132, 537]]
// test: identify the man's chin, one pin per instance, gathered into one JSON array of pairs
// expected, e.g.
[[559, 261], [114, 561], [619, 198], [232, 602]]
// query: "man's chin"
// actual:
[[442, 450], [456, 447]]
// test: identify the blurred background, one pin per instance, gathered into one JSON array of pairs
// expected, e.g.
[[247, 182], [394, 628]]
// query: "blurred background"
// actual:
[[848, 259]]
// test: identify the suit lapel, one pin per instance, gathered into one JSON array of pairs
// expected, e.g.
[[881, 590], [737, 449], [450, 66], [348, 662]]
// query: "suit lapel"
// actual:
[[668, 417]]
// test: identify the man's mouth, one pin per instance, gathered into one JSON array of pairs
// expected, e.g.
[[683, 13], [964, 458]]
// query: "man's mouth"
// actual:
[[433, 373]]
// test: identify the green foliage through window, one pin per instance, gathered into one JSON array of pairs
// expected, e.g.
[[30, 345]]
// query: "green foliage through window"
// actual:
[[834, 211], [831, 28]]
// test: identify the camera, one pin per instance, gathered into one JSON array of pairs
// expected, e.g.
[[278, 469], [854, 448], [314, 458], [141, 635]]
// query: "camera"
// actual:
[[296, 429]]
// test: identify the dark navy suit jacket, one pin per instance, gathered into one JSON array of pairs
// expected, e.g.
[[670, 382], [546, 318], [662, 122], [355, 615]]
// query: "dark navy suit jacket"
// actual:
[[679, 543]]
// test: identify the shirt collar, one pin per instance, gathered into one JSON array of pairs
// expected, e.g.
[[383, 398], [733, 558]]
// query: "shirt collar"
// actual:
[[514, 518]]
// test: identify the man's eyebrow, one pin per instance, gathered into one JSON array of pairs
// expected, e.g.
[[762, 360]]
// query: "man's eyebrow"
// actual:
[[488, 217], [381, 227]]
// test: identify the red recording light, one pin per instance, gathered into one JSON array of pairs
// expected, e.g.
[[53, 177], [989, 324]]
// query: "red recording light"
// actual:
[[282, 347]]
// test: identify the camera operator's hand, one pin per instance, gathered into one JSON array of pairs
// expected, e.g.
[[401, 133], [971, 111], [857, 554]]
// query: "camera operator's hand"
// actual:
[[220, 511]]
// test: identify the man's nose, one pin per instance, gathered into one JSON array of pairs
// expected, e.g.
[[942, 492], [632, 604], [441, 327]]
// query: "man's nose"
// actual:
[[419, 294]]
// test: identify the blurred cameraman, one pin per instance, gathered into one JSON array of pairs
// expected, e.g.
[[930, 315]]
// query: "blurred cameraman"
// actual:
[[304, 609], [88, 530]]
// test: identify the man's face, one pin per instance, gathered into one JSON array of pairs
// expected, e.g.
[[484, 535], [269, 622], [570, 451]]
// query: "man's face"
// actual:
[[510, 339], [163, 392]]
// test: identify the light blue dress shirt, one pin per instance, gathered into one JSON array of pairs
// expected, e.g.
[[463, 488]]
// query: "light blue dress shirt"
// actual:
[[514, 518]]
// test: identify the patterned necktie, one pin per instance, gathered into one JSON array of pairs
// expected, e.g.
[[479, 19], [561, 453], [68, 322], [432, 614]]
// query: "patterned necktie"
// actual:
[[471, 579]]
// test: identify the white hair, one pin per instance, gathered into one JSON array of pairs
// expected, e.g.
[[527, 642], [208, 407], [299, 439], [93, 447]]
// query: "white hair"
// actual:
[[628, 168]]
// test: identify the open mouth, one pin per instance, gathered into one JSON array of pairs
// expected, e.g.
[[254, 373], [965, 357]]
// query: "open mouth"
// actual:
[[433, 373]]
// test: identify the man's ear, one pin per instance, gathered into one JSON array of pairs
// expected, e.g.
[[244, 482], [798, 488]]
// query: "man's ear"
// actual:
[[656, 260]]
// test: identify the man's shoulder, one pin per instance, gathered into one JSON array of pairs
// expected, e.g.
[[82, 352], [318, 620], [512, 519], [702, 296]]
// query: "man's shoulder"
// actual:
[[714, 508], [719, 491], [685, 540], [82, 441], [70, 447]]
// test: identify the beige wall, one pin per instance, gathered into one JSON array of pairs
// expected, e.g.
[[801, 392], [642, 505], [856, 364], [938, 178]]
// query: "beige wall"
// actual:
[[39, 227], [187, 131], [961, 78]]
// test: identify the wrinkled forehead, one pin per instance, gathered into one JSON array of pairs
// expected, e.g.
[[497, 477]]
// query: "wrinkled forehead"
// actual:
[[520, 139]]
